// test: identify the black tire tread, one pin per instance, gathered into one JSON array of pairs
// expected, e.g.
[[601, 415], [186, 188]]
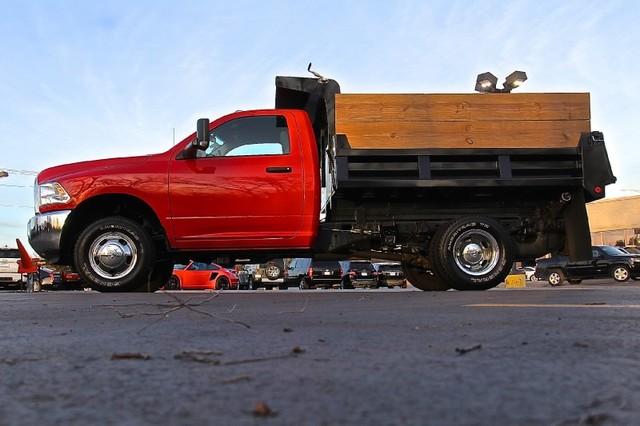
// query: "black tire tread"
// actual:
[[444, 268]]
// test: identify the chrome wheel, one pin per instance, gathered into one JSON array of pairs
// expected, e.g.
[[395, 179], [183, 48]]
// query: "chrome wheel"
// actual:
[[113, 255], [476, 252], [554, 278], [621, 273]]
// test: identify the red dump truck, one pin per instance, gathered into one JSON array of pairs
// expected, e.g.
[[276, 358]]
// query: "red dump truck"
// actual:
[[455, 186]]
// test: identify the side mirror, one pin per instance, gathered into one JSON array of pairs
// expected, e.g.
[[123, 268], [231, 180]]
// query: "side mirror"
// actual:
[[202, 134]]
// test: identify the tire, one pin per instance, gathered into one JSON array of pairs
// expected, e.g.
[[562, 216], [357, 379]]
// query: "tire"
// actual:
[[118, 254], [556, 278], [472, 253], [159, 278], [304, 284], [174, 283], [620, 273], [533, 278], [574, 281], [272, 271], [423, 279], [222, 283], [345, 283]]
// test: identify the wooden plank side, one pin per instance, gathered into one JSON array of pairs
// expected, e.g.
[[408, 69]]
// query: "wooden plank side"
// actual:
[[463, 107], [457, 134]]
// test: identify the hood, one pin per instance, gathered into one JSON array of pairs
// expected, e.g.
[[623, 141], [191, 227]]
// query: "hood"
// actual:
[[89, 167]]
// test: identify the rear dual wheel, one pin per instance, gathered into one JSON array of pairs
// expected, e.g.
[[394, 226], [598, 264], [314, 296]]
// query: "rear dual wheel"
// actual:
[[424, 279], [472, 253]]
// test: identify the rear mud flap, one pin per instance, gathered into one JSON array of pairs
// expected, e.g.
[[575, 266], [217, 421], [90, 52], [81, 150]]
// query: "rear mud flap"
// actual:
[[576, 222]]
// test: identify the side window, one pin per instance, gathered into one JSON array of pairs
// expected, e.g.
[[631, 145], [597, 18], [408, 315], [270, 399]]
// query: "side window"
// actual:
[[263, 135]]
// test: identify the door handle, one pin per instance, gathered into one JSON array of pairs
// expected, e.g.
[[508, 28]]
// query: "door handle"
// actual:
[[278, 169]]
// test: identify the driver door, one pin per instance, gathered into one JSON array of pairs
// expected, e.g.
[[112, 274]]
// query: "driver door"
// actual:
[[245, 191]]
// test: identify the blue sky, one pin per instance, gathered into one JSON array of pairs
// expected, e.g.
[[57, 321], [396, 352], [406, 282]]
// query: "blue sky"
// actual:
[[83, 80]]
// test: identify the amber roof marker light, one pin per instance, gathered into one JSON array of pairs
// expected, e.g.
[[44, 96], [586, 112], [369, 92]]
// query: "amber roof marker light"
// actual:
[[487, 82]]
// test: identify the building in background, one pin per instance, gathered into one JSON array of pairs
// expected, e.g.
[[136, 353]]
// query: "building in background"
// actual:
[[615, 221]]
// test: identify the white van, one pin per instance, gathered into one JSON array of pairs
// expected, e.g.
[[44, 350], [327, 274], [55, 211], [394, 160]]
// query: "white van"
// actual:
[[9, 266]]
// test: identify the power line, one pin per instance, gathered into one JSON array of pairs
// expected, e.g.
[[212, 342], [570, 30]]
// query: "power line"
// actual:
[[19, 206], [10, 185], [20, 172]]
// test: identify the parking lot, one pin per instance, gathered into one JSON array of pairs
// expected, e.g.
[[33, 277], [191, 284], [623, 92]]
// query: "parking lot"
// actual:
[[539, 355]]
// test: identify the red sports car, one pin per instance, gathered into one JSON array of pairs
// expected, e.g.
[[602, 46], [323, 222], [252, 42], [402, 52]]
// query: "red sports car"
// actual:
[[200, 275]]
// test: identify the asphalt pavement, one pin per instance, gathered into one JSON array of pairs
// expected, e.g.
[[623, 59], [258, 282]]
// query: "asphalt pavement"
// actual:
[[539, 356]]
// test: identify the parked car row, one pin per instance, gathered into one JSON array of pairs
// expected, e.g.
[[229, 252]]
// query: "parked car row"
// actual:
[[304, 273], [311, 273]]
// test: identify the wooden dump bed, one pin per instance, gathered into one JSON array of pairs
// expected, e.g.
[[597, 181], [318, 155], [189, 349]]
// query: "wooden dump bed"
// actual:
[[423, 121]]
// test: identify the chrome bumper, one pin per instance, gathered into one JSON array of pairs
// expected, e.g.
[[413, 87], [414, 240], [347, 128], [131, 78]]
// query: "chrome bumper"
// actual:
[[45, 231]]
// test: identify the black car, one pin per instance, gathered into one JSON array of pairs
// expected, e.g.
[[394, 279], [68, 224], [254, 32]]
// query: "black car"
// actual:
[[361, 273], [608, 261], [391, 275], [297, 269], [310, 273]]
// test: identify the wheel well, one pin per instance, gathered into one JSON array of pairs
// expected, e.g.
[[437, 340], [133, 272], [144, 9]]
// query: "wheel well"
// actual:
[[110, 205]]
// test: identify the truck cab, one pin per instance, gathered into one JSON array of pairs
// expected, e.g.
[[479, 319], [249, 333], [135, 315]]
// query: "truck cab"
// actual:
[[247, 182]]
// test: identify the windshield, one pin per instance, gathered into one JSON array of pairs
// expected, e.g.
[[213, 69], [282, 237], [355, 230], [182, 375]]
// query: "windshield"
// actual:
[[385, 268], [201, 266], [358, 266], [325, 264], [612, 251]]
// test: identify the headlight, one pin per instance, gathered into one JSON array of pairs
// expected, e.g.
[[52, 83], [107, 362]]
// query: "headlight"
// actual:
[[50, 193]]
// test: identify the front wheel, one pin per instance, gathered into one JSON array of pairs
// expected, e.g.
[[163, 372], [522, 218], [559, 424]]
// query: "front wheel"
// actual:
[[620, 273], [117, 254], [556, 278], [472, 253], [174, 283]]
